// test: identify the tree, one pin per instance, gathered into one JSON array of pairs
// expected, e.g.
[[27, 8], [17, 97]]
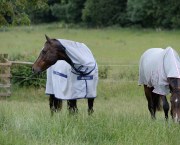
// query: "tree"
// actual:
[[15, 12], [38, 11], [69, 11], [104, 12], [11, 13], [141, 12], [154, 13]]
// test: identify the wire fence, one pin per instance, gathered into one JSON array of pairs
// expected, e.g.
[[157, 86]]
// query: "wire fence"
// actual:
[[109, 72]]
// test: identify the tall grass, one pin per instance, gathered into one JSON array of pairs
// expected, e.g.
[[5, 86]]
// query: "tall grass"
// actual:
[[121, 115], [120, 119]]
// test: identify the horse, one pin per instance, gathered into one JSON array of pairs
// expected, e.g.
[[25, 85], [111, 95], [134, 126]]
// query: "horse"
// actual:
[[84, 71], [159, 73]]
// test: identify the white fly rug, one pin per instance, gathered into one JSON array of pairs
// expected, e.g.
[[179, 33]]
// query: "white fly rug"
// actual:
[[80, 81], [156, 65], [80, 55]]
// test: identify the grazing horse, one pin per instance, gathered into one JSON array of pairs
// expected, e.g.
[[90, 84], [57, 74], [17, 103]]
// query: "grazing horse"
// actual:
[[159, 72], [72, 72]]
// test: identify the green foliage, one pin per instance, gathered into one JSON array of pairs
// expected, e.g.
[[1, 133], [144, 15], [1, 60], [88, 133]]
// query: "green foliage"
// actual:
[[142, 12], [104, 13], [69, 11], [21, 19], [17, 12], [172, 14], [3, 21], [154, 13], [103, 72], [12, 13], [22, 74], [59, 12], [6, 13], [91, 13], [74, 10], [101, 13], [38, 11]]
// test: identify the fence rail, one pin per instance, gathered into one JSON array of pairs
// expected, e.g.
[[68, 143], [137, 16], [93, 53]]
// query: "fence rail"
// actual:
[[21, 62]]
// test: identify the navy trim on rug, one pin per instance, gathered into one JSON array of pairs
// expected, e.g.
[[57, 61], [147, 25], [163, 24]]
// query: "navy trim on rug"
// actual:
[[85, 77], [77, 72], [59, 74]]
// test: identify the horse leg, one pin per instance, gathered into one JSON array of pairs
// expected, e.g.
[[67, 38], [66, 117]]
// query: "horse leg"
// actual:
[[90, 106], [51, 104], [148, 94], [156, 102], [54, 104], [165, 106], [72, 106], [57, 104]]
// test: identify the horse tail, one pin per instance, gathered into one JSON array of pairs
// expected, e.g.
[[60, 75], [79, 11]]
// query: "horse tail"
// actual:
[[157, 102]]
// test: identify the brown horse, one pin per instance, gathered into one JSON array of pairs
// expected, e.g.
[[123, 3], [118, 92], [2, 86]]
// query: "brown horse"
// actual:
[[159, 72], [52, 52]]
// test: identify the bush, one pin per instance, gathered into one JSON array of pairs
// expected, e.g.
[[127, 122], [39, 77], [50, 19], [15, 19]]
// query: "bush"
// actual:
[[103, 72], [3, 21], [22, 75], [21, 19]]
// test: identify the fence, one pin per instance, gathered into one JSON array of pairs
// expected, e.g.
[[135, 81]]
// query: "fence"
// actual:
[[113, 73], [5, 74], [5, 68]]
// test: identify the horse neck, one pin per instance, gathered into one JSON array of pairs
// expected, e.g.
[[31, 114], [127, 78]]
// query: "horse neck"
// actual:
[[67, 59], [63, 55]]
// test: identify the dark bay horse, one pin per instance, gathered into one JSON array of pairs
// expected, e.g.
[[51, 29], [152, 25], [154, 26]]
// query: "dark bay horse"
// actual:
[[159, 72], [82, 65]]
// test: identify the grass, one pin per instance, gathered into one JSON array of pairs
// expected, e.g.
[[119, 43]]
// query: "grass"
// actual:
[[110, 46], [121, 116], [120, 119]]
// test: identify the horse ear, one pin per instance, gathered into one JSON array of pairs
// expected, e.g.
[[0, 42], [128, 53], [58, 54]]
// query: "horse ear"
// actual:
[[48, 39]]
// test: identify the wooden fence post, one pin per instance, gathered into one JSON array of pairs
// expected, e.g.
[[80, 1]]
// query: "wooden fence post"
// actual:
[[5, 75]]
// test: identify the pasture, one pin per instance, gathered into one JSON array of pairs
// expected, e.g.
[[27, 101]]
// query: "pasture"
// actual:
[[121, 116]]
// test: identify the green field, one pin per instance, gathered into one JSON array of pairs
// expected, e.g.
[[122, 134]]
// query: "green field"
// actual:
[[121, 116]]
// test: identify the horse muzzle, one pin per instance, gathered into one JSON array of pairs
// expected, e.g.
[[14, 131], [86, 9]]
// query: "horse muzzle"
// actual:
[[36, 70]]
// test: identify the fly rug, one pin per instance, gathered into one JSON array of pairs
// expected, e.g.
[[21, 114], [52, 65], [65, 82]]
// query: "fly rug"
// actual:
[[65, 84], [159, 72], [72, 73]]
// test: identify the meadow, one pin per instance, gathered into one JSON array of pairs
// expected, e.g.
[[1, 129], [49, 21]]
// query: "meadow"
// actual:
[[121, 116]]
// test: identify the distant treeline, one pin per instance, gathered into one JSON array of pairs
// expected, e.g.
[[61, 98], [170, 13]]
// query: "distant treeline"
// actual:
[[93, 13]]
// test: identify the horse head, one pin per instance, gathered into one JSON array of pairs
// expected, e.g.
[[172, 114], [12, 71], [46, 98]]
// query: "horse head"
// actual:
[[50, 53], [175, 98]]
